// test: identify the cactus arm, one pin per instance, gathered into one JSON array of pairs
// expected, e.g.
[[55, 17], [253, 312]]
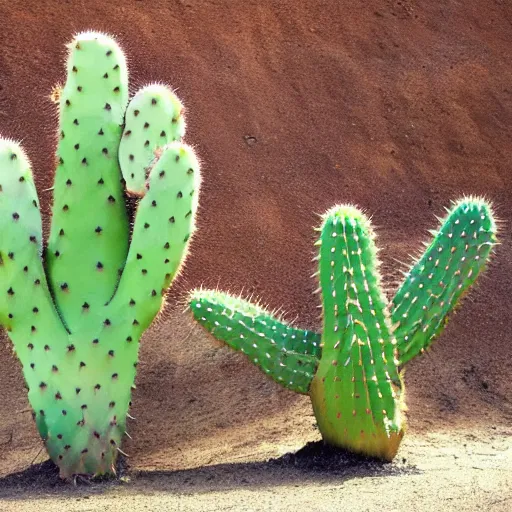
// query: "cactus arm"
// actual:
[[21, 269], [164, 223], [433, 287], [88, 242], [287, 355], [154, 118], [356, 390], [26, 307], [255, 318]]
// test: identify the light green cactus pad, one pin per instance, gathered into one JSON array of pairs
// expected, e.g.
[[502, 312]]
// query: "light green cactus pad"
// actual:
[[91, 234], [76, 327], [154, 118]]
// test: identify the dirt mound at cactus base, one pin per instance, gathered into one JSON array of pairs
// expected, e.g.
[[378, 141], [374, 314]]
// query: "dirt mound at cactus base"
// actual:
[[398, 107]]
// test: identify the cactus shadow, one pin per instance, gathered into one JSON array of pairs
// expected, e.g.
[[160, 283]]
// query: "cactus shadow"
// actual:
[[43, 479], [315, 462]]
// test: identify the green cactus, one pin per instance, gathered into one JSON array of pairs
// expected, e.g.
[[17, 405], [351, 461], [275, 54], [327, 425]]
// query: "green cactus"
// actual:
[[75, 323], [352, 371], [162, 123]]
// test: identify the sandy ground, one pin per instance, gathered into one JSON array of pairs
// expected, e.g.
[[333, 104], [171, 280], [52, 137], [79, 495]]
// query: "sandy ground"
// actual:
[[457, 471], [397, 106]]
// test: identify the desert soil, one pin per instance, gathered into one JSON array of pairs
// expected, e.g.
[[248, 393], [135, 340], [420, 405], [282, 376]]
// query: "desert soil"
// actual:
[[396, 106]]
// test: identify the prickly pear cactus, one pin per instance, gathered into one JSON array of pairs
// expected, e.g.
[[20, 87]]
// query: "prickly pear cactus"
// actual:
[[352, 370], [76, 320]]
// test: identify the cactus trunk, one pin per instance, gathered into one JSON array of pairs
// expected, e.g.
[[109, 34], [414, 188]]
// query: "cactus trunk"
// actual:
[[356, 392]]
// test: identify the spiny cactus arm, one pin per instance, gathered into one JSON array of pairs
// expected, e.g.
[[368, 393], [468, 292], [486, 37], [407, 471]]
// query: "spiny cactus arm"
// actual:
[[459, 251], [26, 307], [89, 234], [356, 390], [259, 322], [164, 223], [154, 118], [287, 355]]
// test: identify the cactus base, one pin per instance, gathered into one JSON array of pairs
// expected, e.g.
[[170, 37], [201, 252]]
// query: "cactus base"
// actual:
[[374, 442]]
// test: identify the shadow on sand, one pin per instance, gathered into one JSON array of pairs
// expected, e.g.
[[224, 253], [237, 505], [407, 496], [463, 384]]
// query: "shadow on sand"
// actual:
[[314, 463]]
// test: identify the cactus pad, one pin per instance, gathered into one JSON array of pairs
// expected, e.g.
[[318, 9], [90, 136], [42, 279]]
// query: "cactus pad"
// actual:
[[357, 389], [288, 355], [77, 337], [446, 270], [153, 119], [91, 235]]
